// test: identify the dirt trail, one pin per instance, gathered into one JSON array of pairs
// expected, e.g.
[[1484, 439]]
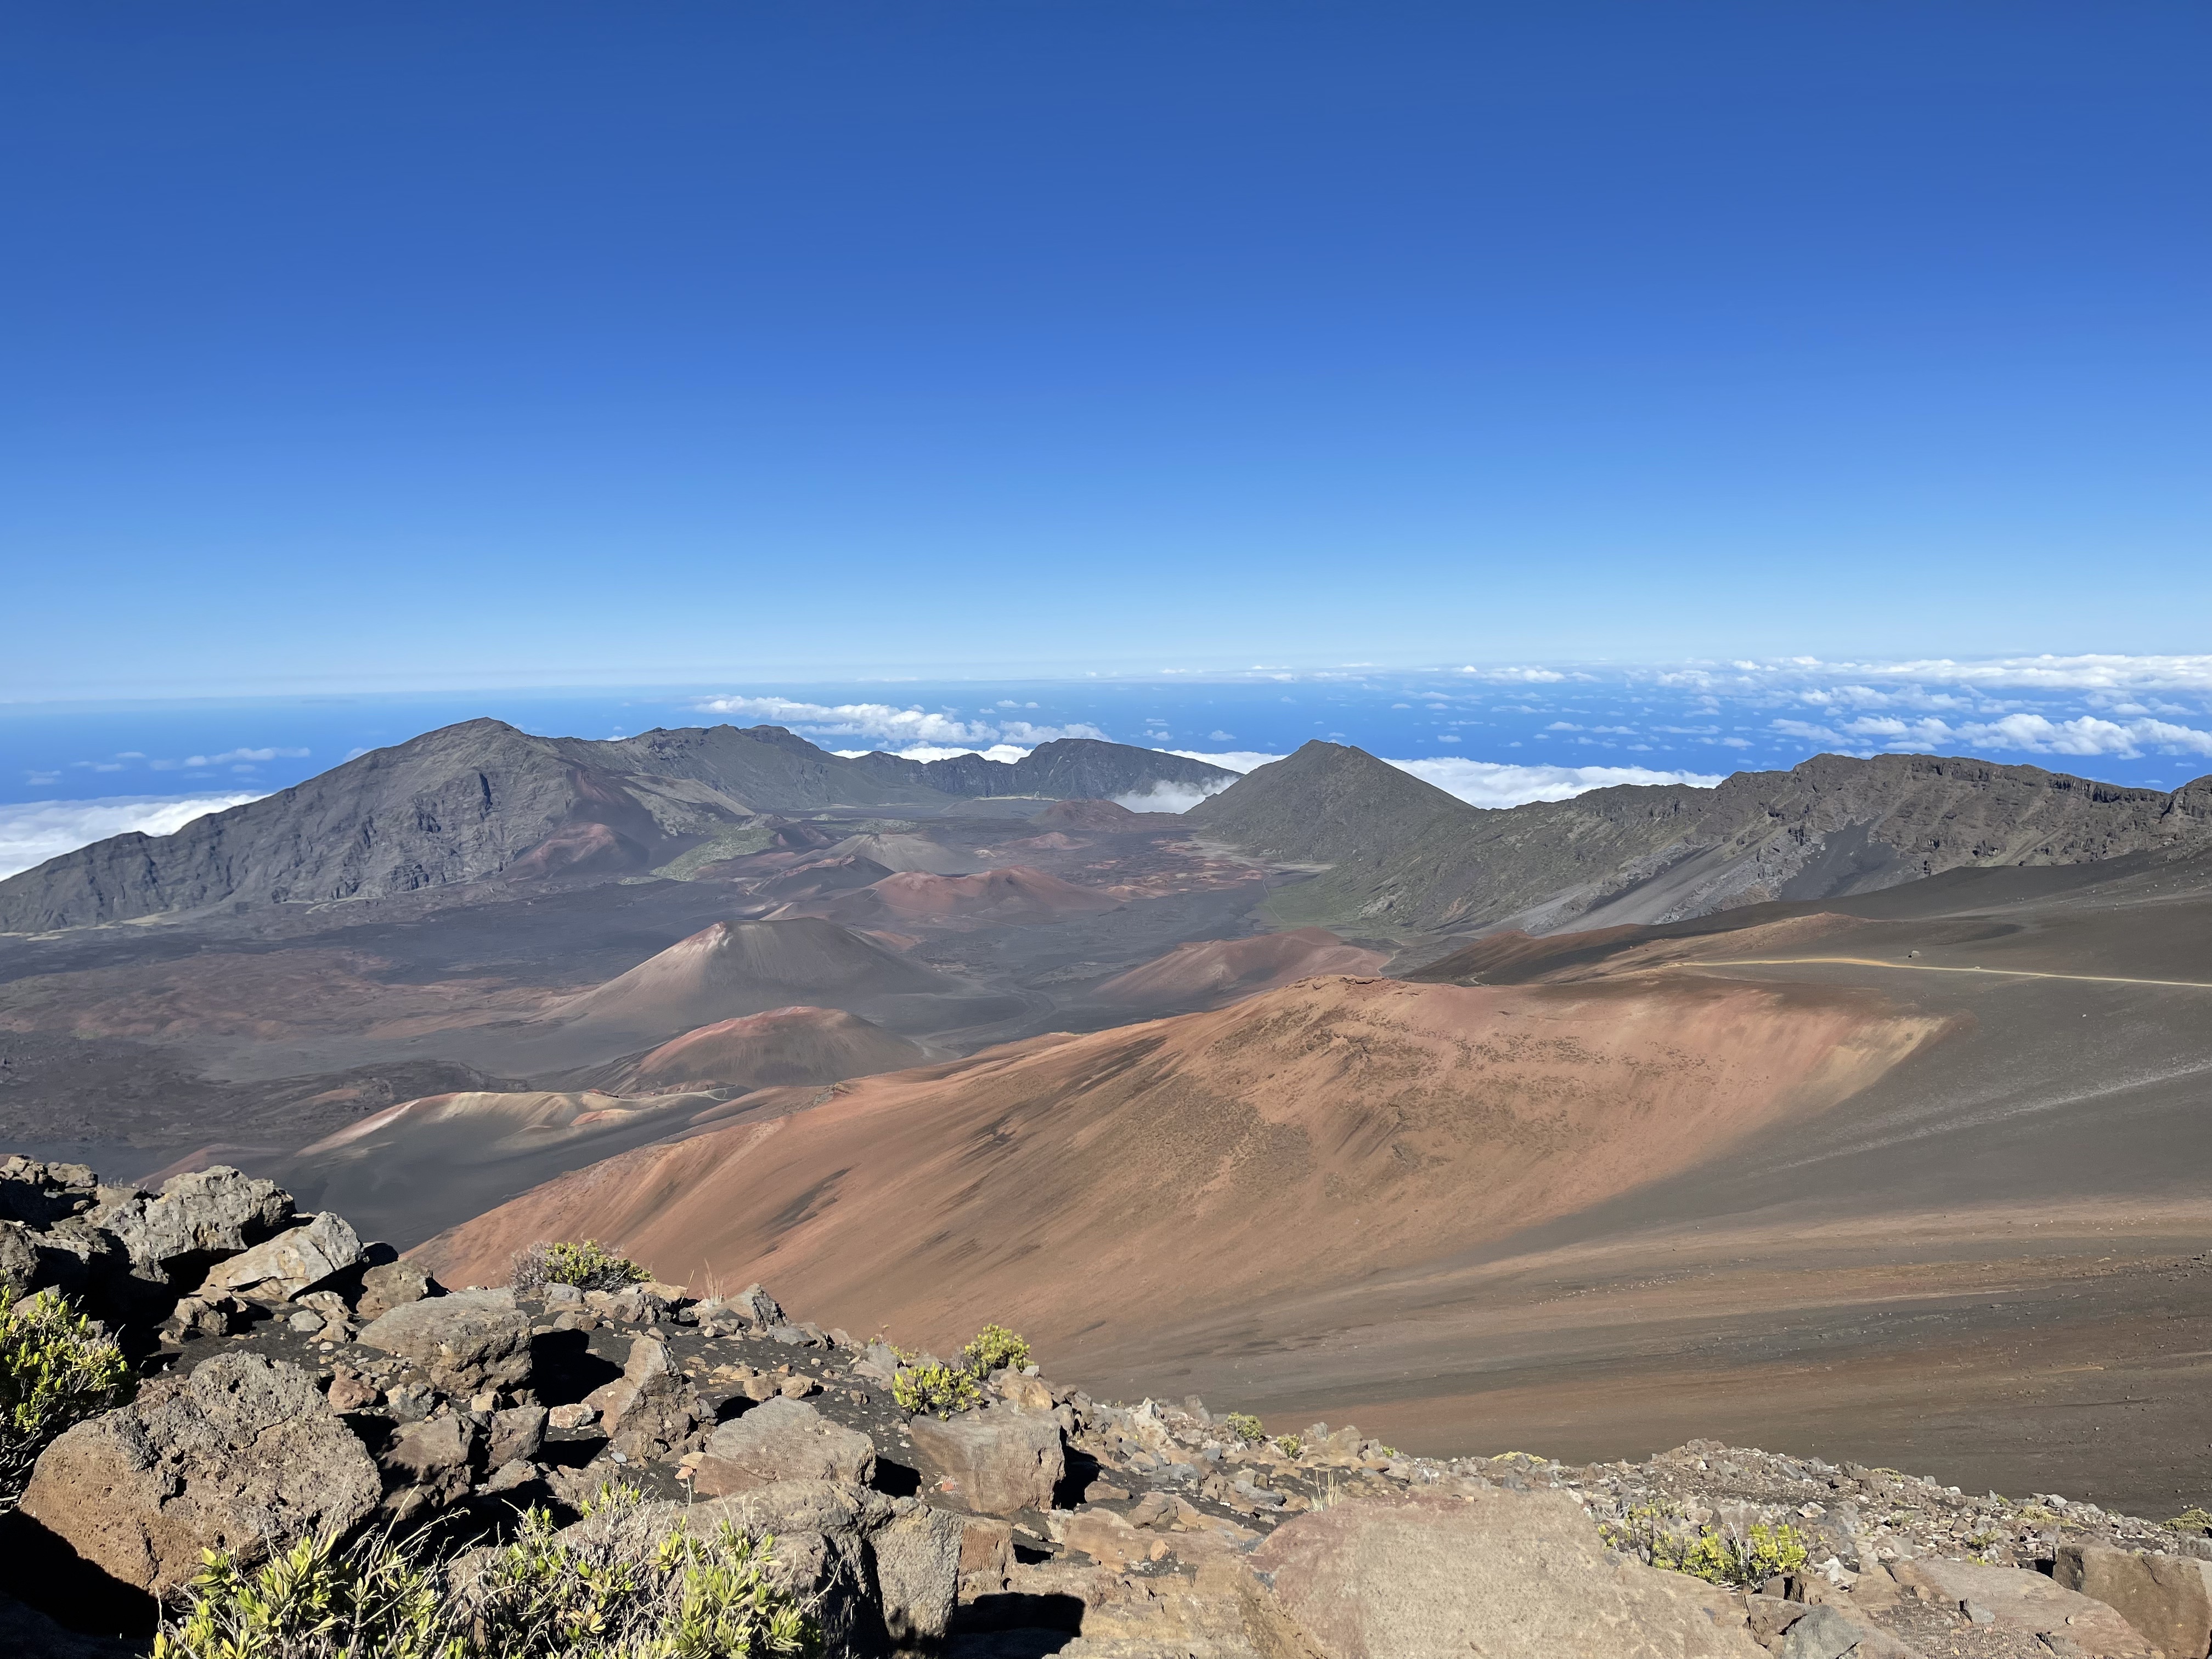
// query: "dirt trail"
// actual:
[[1931, 968]]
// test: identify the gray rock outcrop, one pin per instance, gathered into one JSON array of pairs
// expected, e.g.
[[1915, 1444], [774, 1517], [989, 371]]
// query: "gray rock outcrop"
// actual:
[[782, 1440], [280, 1269], [2166, 1597], [999, 1462], [467, 1341], [239, 1455], [1507, 1572]]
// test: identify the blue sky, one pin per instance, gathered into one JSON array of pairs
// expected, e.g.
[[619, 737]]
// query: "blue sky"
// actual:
[[560, 345]]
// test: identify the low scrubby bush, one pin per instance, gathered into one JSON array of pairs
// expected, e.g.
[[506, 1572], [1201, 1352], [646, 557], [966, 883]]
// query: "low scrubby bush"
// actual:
[[942, 1390], [378, 1598], [924, 1384], [996, 1348], [1665, 1540], [56, 1369], [587, 1266], [1245, 1427], [1289, 1444], [624, 1589]]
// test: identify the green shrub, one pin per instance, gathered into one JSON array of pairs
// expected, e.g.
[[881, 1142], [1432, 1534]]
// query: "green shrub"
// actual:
[[56, 1369], [2193, 1519], [942, 1390], [996, 1348], [621, 1588], [1245, 1427], [379, 1598], [613, 1592], [1664, 1539], [586, 1266], [1289, 1444]]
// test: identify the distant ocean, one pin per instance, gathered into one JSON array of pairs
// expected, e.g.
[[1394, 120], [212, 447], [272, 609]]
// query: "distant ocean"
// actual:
[[1495, 736]]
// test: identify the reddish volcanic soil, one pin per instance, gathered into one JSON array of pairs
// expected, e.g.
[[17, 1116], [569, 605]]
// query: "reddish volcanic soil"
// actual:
[[1301, 1139], [1212, 969], [782, 1047], [738, 968]]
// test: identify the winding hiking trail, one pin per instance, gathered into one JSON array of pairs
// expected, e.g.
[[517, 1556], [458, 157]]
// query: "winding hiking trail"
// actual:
[[1933, 968]]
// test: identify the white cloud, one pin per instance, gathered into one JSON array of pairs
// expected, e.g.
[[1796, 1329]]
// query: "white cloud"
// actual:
[[2081, 673], [922, 752], [1233, 760], [226, 758], [31, 834], [859, 720], [1492, 783], [1022, 732], [2031, 734], [1168, 797], [1483, 783], [1518, 675], [907, 728]]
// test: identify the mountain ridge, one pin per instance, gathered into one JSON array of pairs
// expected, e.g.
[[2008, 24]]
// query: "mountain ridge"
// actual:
[[1831, 825], [481, 799]]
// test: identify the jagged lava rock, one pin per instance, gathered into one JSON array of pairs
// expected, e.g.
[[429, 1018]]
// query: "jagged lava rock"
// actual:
[[469, 1340], [240, 1455], [393, 1284], [39, 1194], [196, 1218], [782, 1440], [1000, 1461], [279, 1269], [650, 1409]]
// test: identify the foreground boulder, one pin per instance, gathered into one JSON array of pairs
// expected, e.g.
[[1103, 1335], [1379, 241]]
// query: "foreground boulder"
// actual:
[[995, 1463], [1500, 1573], [782, 1440], [393, 1284], [279, 1269], [468, 1341], [239, 1455], [2030, 1604], [650, 1409], [2166, 1597]]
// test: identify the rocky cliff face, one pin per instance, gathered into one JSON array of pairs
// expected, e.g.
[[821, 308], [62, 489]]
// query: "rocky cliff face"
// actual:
[[482, 799], [1410, 858]]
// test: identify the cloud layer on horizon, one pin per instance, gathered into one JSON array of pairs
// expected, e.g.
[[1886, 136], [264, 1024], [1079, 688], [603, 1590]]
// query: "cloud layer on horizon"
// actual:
[[32, 833], [906, 728], [1483, 783]]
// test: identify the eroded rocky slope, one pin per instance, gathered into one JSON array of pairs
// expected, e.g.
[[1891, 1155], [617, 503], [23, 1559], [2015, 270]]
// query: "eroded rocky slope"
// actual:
[[296, 1381]]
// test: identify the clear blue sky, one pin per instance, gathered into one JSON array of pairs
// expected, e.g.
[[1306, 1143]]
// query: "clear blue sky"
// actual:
[[442, 345]]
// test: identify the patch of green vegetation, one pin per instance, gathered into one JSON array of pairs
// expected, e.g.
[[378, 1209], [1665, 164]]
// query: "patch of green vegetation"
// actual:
[[996, 1348], [588, 1266], [57, 1368], [1289, 1444], [1245, 1427], [732, 843], [1664, 1539], [2193, 1519], [937, 1388], [624, 1589]]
